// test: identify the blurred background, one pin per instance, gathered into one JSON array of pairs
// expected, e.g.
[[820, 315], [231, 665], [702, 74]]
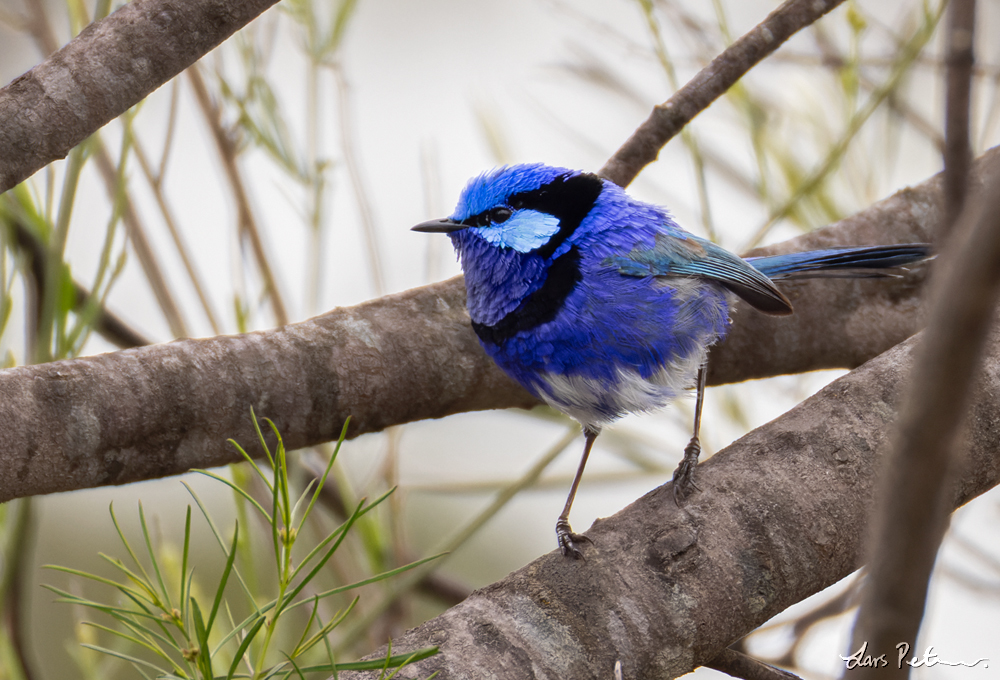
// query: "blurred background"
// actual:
[[278, 179]]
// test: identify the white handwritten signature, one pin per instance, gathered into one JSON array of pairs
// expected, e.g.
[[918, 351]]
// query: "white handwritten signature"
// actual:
[[862, 658]]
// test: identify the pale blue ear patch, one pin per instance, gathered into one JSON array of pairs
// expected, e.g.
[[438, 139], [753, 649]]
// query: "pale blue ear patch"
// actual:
[[523, 231]]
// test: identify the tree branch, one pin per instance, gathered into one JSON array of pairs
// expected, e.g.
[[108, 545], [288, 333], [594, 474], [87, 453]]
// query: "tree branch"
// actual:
[[712, 82], [915, 498], [161, 410], [958, 98], [782, 513], [111, 66]]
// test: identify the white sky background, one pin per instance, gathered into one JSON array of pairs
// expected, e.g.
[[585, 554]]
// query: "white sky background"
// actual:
[[423, 78]]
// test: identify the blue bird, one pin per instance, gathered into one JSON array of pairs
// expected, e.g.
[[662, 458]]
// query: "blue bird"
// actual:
[[602, 305]]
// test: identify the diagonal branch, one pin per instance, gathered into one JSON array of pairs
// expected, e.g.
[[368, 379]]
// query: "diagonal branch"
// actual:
[[111, 66], [781, 515], [248, 227], [669, 118], [915, 498]]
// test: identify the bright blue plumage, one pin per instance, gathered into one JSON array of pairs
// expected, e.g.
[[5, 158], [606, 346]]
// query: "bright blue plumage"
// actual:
[[600, 304]]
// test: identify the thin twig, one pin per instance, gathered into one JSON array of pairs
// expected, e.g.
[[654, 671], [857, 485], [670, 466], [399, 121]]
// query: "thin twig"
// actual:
[[156, 184], [361, 195], [669, 118], [140, 245], [958, 149], [248, 222], [168, 140]]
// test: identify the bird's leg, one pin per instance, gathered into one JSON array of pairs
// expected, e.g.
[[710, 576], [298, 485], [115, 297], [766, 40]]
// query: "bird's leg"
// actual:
[[564, 532], [684, 474]]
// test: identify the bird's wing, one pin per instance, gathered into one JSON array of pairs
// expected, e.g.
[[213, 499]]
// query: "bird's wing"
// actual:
[[693, 256]]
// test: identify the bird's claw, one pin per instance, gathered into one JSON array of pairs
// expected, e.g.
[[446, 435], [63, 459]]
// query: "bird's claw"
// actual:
[[568, 541], [684, 474]]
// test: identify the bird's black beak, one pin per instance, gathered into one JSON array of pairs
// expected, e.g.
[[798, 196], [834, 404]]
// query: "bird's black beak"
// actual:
[[441, 226]]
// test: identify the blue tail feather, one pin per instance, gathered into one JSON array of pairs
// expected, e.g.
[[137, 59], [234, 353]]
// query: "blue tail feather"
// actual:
[[869, 261]]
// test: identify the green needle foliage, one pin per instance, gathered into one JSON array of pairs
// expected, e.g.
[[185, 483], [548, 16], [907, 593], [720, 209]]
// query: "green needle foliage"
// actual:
[[167, 628]]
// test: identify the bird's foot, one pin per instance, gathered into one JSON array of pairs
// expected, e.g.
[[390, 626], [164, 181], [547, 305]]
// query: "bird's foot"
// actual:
[[684, 474], [568, 541]]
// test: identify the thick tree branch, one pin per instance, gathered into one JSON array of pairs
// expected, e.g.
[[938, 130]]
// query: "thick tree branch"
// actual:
[[781, 514], [161, 410], [112, 65]]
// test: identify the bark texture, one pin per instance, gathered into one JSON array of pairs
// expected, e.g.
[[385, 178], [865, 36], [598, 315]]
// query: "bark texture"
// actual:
[[111, 66], [781, 514]]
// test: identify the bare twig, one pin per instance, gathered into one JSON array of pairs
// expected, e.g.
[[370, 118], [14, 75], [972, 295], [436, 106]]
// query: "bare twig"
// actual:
[[247, 221], [354, 171], [156, 184], [168, 140], [669, 118], [958, 152], [141, 246]]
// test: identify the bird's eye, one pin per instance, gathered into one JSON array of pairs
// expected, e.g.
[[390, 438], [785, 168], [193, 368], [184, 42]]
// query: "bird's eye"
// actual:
[[498, 215]]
